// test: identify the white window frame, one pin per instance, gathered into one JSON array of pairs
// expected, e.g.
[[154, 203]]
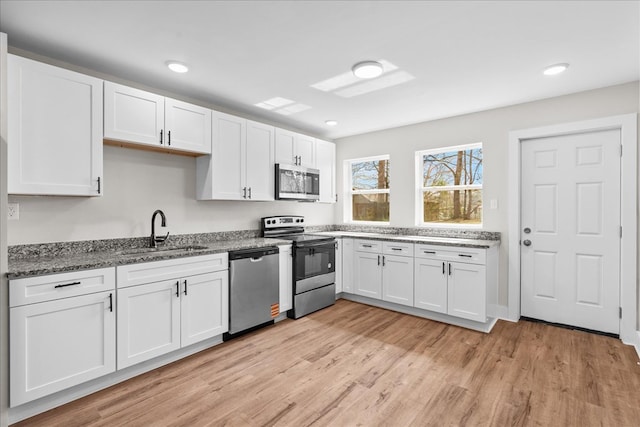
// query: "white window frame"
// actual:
[[420, 189], [349, 192]]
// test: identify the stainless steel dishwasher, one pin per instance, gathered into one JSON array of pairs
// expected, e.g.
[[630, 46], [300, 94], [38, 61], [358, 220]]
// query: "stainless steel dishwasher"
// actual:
[[253, 289]]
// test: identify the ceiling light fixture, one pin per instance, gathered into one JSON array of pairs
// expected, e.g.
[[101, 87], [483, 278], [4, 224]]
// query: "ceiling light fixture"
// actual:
[[331, 123], [177, 67], [554, 69], [367, 69]]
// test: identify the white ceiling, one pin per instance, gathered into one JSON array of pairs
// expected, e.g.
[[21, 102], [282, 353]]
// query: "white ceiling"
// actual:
[[464, 56]]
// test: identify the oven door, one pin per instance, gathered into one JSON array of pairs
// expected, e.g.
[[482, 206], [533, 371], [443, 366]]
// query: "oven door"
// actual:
[[314, 265]]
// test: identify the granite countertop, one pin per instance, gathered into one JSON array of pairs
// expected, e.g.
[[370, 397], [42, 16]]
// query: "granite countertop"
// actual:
[[444, 241], [41, 265]]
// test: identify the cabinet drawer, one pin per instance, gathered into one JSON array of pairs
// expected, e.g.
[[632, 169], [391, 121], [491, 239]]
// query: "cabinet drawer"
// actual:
[[55, 286], [451, 253], [368, 246], [148, 272], [397, 248]]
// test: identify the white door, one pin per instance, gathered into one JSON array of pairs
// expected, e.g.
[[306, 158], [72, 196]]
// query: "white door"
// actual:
[[570, 219], [148, 321], [326, 163], [58, 344], [431, 285], [227, 157], [368, 274], [188, 126], [306, 150], [133, 115], [55, 130], [397, 279], [467, 291], [285, 147], [204, 306], [259, 161]]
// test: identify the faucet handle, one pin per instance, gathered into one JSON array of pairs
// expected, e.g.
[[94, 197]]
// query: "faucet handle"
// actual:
[[161, 239]]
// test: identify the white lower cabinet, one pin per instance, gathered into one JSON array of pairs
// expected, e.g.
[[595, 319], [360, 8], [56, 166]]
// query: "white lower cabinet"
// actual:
[[452, 287], [286, 278], [347, 264], [165, 315], [338, 266], [397, 279], [368, 275], [64, 340]]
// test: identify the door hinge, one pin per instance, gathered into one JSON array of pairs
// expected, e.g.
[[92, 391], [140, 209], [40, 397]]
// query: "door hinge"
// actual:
[[620, 312], [620, 150], [621, 232]]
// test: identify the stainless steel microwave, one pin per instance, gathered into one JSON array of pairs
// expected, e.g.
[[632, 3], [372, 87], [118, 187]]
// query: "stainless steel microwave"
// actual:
[[297, 183]]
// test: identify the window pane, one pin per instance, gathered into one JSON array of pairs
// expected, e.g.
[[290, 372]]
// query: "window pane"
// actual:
[[462, 167], [370, 207], [370, 175], [460, 207]]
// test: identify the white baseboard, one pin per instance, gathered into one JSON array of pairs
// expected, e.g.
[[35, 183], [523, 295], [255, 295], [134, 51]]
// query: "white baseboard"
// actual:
[[431, 315], [46, 403]]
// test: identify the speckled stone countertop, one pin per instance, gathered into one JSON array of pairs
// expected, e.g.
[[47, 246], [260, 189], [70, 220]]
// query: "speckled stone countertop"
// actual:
[[443, 241], [437, 236], [27, 260]]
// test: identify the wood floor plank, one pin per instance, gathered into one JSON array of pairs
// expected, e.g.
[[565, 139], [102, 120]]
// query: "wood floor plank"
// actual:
[[356, 365]]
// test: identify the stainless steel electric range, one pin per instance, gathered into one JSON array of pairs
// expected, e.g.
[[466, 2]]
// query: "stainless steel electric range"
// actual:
[[313, 263]]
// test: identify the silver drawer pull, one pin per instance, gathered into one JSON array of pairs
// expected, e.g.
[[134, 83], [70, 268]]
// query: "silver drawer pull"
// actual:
[[67, 284], [367, 246], [396, 249], [466, 256], [429, 252]]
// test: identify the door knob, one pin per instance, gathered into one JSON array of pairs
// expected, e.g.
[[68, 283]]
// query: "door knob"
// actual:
[[527, 230], [527, 243]]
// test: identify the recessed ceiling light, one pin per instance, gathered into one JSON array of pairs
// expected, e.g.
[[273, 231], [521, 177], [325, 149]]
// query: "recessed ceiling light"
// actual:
[[367, 69], [177, 67], [554, 69], [331, 123]]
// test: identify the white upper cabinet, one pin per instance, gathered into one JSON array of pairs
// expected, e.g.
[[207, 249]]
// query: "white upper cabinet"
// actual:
[[241, 165], [132, 115], [188, 126], [295, 149], [55, 130], [326, 164], [139, 117]]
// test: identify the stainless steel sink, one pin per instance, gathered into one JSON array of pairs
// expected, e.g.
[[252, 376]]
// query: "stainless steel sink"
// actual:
[[142, 251]]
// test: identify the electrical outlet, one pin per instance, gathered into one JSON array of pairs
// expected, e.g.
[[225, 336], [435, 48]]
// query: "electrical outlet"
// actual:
[[13, 211]]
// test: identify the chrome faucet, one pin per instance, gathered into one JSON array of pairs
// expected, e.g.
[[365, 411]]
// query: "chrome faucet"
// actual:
[[154, 239]]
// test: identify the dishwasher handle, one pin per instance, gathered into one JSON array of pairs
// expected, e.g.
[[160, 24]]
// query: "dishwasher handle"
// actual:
[[257, 259]]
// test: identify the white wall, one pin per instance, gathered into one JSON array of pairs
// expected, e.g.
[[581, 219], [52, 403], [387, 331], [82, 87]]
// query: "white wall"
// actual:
[[136, 183], [492, 129]]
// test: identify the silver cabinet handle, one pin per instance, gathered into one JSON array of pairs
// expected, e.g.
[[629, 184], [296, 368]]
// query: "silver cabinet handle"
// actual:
[[249, 192], [244, 192], [378, 259], [383, 260]]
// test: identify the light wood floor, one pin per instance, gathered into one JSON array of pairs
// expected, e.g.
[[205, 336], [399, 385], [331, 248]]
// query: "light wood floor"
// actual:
[[352, 364]]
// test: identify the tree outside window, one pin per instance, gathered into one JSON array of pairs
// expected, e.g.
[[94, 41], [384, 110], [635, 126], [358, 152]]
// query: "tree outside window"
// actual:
[[368, 189], [450, 185]]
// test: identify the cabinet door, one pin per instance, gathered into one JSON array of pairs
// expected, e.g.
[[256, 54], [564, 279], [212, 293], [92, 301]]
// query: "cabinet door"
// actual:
[[259, 155], [204, 311], [188, 126], [397, 279], [347, 265], [285, 149], [430, 285], [338, 266], [133, 115], [305, 149], [326, 164], [467, 296], [368, 275], [148, 321], [55, 130], [58, 344], [227, 157], [286, 278]]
